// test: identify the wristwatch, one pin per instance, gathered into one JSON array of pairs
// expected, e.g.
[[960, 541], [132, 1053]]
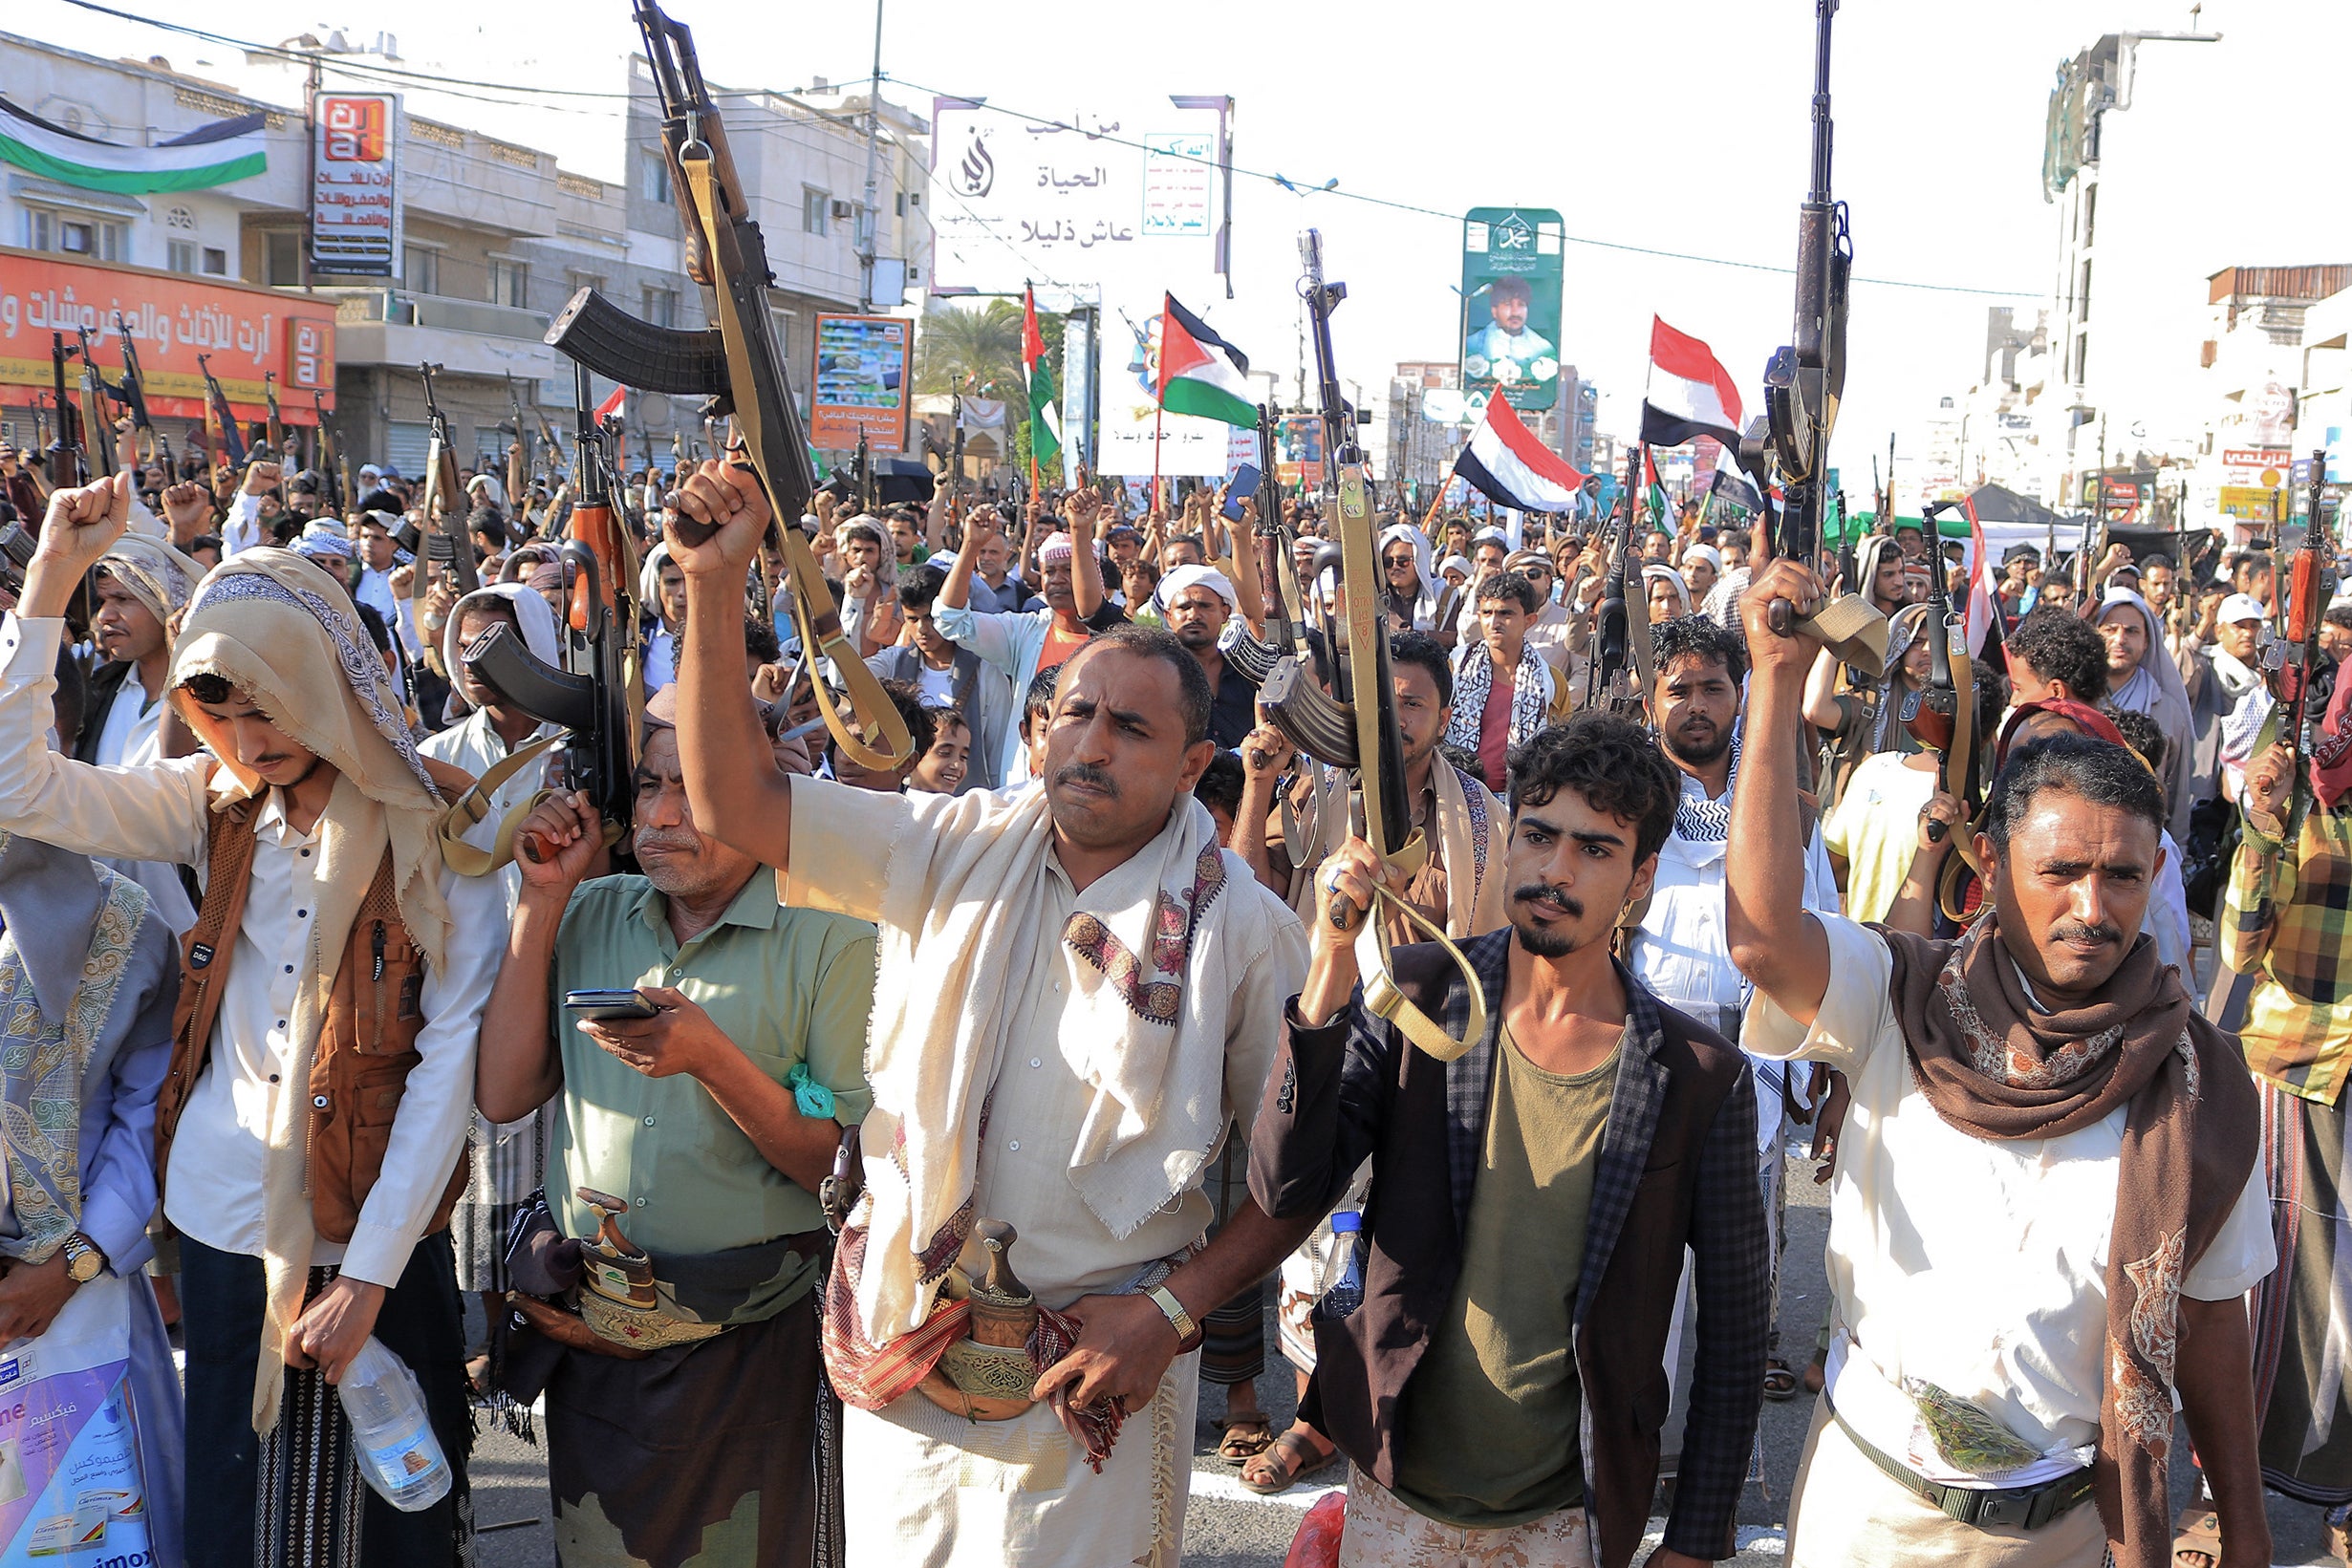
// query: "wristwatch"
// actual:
[[1188, 1332], [83, 1258]]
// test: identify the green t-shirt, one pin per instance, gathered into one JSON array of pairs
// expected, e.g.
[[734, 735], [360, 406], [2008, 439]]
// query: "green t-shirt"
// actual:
[[1488, 1431], [786, 985]]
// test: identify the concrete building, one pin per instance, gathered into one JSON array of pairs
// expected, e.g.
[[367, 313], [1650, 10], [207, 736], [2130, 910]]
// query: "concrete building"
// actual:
[[495, 236]]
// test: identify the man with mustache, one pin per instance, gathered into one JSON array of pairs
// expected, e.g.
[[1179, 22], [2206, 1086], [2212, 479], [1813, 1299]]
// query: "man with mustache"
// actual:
[[1681, 950], [1500, 1389], [2047, 1200], [716, 1120], [1077, 991]]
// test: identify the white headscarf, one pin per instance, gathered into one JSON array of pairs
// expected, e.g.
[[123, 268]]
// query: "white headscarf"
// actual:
[[2156, 689], [1682, 589], [532, 613], [1425, 595], [1189, 575]]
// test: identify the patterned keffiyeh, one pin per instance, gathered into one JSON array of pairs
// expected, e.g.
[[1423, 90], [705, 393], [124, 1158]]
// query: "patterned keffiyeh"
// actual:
[[1531, 695], [1698, 820]]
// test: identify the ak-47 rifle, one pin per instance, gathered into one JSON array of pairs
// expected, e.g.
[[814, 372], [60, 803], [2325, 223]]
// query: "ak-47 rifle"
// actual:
[[68, 455], [1941, 715], [274, 426], [737, 361], [218, 413], [443, 502], [597, 694], [97, 425], [518, 455], [2310, 583], [1805, 382], [132, 394], [1619, 676], [330, 461], [1360, 730]]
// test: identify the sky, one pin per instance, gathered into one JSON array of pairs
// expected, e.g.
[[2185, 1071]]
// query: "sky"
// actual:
[[1681, 128]]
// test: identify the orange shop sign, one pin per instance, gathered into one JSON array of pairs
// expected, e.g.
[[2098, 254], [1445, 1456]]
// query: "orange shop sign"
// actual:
[[244, 334]]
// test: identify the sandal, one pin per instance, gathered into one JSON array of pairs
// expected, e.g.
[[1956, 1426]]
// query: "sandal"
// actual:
[[1779, 1383], [2196, 1538], [1817, 1372], [1288, 1460], [1247, 1435]]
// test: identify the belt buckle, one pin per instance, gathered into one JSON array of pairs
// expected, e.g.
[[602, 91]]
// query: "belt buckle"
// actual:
[[2006, 1508]]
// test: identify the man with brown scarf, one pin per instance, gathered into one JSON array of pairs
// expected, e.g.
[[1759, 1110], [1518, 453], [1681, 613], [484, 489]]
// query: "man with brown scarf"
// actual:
[[2028, 1100]]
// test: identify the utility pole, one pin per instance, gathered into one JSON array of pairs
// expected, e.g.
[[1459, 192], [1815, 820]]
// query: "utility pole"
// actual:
[[873, 133]]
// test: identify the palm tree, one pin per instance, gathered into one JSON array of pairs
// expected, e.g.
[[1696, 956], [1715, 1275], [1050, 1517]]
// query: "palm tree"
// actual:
[[970, 351]]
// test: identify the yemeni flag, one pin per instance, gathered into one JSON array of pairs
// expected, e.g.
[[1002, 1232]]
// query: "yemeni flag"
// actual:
[[1690, 394], [1045, 421], [216, 154], [1201, 373], [1983, 610], [1505, 464], [1733, 487], [611, 407]]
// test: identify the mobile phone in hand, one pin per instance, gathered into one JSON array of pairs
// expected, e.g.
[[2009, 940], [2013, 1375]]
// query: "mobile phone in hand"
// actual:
[[600, 1006]]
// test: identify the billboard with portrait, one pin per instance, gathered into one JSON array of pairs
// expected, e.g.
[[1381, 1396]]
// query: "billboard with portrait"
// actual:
[[1510, 304]]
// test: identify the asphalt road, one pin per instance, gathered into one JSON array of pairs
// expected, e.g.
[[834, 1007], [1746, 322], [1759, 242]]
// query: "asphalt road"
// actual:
[[1229, 1528]]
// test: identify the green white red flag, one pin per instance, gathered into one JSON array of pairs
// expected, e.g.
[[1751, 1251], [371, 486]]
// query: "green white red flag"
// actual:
[[1044, 419]]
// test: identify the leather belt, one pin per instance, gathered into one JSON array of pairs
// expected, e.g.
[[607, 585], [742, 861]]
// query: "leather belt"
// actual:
[[1983, 1508]]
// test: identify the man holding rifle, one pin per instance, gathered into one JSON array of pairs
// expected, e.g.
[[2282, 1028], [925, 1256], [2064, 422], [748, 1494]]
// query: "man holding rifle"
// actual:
[[2028, 1100], [1078, 991]]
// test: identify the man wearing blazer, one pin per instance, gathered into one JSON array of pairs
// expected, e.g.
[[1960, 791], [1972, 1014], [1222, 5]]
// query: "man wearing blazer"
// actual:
[[1500, 1386]]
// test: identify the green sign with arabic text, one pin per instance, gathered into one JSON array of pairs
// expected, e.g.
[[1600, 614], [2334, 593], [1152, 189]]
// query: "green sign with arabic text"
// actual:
[[1510, 304]]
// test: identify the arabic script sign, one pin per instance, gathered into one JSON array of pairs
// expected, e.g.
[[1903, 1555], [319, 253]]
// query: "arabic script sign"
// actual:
[[1100, 197], [355, 183]]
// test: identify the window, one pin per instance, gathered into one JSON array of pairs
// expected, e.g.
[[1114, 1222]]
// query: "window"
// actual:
[[2091, 215], [653, 174], [282, 258], [420, 268], [2083, 295], [576, 280], [510, 282], [902, 203], [216, 262], [179, 255], [660, 307], [75, 234], [814, 206]]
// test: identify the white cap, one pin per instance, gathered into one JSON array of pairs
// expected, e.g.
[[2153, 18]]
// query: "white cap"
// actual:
[[2242, 607]]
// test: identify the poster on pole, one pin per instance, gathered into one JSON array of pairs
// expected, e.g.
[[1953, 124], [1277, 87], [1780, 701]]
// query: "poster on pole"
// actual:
[[355, 183], [1510, 304], [861, 383], [1132, 424]]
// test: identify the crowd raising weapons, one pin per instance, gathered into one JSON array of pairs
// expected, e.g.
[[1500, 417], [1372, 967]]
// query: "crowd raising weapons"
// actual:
[[273, 426], [332, 464], [97, 423], [735, 361], [68, 449]]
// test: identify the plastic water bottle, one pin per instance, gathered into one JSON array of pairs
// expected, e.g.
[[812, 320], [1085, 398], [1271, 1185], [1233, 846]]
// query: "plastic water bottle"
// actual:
[[398, 1452], [1347, 1292]]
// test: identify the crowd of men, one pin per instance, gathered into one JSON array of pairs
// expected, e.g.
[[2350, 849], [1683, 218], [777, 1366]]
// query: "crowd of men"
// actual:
[[967, 1110]]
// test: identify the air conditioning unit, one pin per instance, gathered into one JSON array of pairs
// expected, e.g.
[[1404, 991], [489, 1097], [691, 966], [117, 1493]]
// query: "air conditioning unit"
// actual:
[[841, 213]]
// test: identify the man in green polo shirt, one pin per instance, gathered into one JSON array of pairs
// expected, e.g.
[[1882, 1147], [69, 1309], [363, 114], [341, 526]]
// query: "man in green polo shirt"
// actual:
[[711, 1125]]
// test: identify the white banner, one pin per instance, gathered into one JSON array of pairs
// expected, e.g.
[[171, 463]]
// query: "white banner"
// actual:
[[1132, 424], [1127, 195], [355, 183]]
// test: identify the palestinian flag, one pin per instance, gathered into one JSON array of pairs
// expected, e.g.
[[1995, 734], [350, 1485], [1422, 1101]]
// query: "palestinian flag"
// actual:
[[1661, 509], [1690, 394], [1045, 421], [1505, 464], [211, 155], [1201, 373]]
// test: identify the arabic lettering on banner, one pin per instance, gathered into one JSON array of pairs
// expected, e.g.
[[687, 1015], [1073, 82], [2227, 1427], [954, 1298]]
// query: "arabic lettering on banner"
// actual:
[[244, 333], [1106, 198], [355, 183], [861, 383]]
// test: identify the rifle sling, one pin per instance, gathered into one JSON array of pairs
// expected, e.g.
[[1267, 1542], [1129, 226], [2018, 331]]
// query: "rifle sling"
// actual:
[[1361, 563], [818, 632], [1953, 775], [472, 806]]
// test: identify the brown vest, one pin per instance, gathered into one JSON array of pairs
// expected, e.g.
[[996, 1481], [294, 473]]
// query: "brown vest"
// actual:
[[367, 1046]]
